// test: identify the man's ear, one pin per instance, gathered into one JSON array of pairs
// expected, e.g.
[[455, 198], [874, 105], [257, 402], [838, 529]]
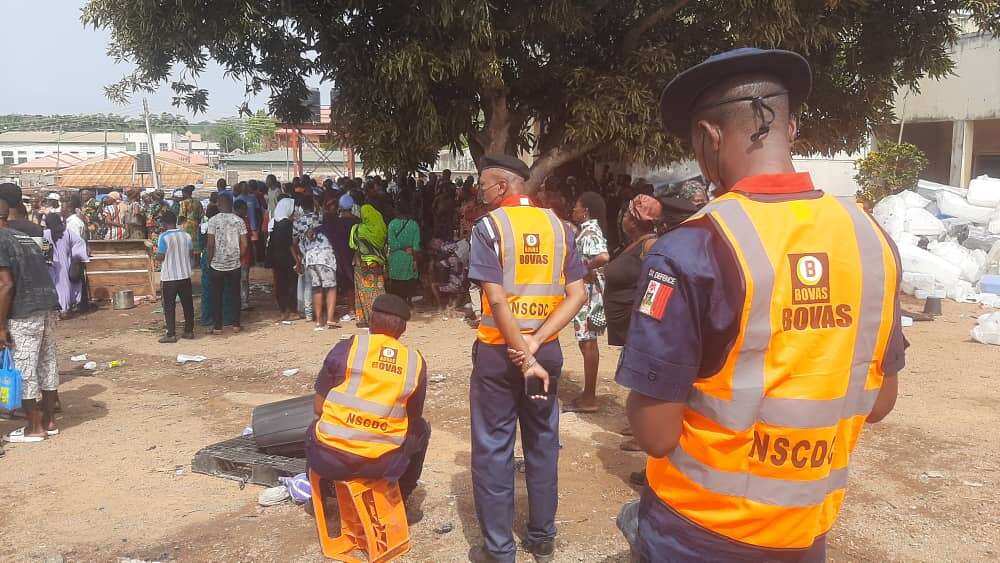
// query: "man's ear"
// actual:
[[712, 132], [793, 129]]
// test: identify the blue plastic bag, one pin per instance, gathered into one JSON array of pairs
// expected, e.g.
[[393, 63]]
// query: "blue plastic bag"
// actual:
[[10, 382]]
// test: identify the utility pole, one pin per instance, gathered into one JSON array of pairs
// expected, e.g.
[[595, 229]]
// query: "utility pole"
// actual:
[[105, 144], [152, 149], [58, 154]]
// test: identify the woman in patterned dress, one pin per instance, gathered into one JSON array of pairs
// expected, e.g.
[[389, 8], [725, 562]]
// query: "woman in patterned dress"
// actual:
[[589, 213]]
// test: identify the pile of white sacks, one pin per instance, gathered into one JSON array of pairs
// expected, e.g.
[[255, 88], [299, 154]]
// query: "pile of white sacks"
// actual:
[[927, 223]]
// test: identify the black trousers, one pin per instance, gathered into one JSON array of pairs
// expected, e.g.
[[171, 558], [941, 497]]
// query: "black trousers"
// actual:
[[170, 291], [285, 288], [228, 281]]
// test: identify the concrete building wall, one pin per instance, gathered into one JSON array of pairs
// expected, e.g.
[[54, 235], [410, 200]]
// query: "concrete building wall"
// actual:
[[972, 93], [833, 175]]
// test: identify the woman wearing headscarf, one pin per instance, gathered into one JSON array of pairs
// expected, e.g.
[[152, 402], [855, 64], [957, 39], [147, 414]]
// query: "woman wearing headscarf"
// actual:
[[114, 217], [590, 214], [279, 253], [304, 219], [368, 240], [67, 248], [340, 236]]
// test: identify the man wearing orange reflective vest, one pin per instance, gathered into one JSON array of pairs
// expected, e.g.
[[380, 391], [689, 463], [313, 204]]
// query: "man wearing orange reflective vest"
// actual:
[[369, 405], [525, 261], [766, 332]]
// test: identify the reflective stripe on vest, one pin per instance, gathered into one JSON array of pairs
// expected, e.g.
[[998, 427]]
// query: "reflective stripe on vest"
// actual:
[[749, 373], [344, 403], [764, 449], [545, 293]]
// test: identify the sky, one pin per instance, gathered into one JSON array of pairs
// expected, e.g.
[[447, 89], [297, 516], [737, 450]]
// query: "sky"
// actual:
[[51, 64]]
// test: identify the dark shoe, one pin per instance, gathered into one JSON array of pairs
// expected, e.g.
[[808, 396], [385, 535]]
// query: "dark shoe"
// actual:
[[167, 339], [188, 336], [638, 478], [543, 551]]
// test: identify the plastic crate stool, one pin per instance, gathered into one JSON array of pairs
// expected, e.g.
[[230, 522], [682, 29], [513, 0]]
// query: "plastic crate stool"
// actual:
[[372, 519]]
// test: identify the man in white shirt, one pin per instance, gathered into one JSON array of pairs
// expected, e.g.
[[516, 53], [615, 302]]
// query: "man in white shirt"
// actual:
[[175, 249], [227, 241]]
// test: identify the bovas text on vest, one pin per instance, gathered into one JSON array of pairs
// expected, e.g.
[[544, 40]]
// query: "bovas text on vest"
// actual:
[[532, 249], [765, 444], [366, 414]]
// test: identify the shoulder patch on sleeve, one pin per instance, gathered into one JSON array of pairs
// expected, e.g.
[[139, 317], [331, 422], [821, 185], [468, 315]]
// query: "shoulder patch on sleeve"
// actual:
[[659, 288]]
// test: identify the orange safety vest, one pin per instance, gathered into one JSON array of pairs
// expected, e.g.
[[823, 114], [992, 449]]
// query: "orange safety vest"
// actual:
[[366, 414], [765, 444], [532, 250]]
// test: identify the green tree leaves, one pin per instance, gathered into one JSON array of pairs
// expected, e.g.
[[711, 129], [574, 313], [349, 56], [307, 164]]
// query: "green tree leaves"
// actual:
[[558, 79]]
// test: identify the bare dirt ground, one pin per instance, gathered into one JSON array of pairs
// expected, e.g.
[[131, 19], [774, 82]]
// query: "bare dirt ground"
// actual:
[[117, 481]]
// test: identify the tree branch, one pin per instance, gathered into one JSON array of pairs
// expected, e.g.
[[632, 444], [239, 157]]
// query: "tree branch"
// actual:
[[632, 36], [547, 162]]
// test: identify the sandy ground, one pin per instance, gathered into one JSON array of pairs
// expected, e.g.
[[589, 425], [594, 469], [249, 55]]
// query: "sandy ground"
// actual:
[[117, 481]]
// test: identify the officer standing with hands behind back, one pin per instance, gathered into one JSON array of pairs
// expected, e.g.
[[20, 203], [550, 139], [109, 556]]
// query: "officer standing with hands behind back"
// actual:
[[766, 333], [531, 277]]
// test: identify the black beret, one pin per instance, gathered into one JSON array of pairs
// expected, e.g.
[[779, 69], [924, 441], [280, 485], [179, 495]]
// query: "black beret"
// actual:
[[683, 91], [392, 305], [507, 162]]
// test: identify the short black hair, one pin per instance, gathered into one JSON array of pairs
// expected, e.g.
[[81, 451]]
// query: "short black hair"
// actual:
[[168, 218]]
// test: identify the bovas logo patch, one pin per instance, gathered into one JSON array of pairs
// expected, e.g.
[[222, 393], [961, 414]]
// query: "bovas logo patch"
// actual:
[[810, 278], [532, 243], [811, 308], [387, 355]]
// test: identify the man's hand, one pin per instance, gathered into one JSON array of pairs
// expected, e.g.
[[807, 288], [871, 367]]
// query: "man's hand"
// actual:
[[538, 371], [5, 340], [517, 357]]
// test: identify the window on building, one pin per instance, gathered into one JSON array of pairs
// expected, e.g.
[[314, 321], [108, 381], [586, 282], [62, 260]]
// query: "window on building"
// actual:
[[38, 153], [89, 153], [130, 147], [74, 152], [22, 152], [143, 147], [22, 159], [8, 157], [163, 147]]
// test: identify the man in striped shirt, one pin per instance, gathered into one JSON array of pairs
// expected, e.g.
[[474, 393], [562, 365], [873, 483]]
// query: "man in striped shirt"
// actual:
[[174, 250]]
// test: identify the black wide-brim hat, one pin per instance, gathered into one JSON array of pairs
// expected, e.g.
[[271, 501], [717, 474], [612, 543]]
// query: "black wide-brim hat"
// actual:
[[680, 95]]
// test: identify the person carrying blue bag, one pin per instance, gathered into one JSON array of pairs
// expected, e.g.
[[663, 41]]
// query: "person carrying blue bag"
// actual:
[[28, 305]]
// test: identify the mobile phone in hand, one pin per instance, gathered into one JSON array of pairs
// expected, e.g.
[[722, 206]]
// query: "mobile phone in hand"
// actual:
[[533, 387]]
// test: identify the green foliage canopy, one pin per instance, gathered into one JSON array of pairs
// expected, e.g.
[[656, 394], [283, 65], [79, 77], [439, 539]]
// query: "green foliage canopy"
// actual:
[[558, 78]]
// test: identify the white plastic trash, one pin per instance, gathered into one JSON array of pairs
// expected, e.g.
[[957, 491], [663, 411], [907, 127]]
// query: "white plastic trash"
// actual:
[[185, 358], [891, 214], [80, 358], [920, 222], [970, 267], [988, 329], [917, 260], [989, 300], [984, 191], [90, 366], [290, 372], [956, 206], [905, 321], [913, 200]]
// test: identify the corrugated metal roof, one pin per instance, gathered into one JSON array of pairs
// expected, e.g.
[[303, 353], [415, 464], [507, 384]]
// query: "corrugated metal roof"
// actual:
[[68, 137], [50, 162], [280, 155], [183, 156], [118, 172]]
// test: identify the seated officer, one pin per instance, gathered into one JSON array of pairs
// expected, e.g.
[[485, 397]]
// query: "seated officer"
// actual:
[[369, 405]]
